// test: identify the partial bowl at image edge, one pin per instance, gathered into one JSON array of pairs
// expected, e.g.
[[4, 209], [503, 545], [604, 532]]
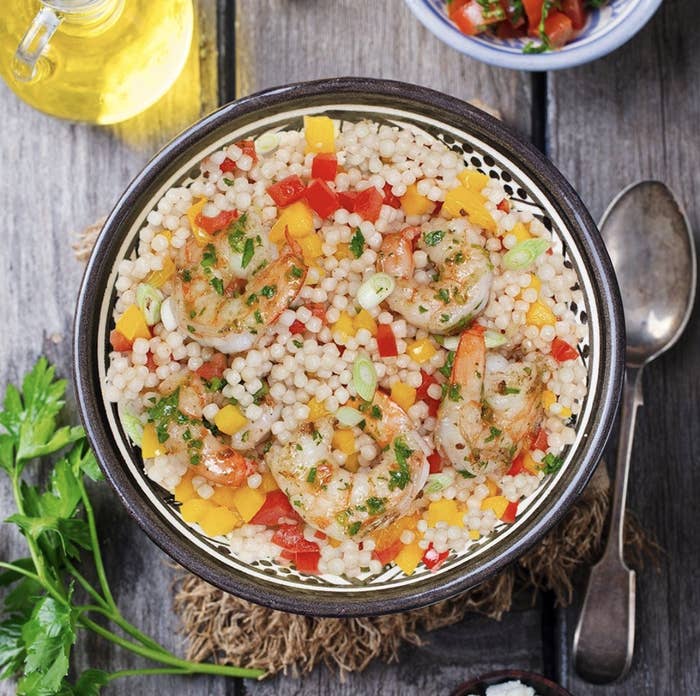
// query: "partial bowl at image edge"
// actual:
[[96, 294]]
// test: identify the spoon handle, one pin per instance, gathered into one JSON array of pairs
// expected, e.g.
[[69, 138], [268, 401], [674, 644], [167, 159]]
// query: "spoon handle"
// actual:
[[604, 638]]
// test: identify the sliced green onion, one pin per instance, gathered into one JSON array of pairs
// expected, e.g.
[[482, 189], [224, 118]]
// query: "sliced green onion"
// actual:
[[267, 143], [149, 300], [523, 254], [132, 425], [364, 377], [493, 339], [375, 290], [348, 416], [451, 342], [437, 483]]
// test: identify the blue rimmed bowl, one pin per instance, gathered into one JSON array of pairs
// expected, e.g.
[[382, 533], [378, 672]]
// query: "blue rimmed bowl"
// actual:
[[607, 28], [533, 184]]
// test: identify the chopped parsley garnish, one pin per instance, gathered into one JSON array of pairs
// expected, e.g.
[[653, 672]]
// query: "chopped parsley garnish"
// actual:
[[375, 412], [354, 528], [251, 299], [268, 291], [446, 369], [186, 275], [245, 436], [258, 316], [375, 505], [311, 476], [259, 395], [511, 390], [422, 309], [454, 392], [164, 409], [214, 384], [552, 463], [317, 437], [444, 318], [443, 294], [495, 432], [433, 238], [236, 234], [400, 478], [357, 243], [218, 285], [464, 473], [208, 256], [228, 182], [298, 344], [248, 251], [296, 272], [190, 328]]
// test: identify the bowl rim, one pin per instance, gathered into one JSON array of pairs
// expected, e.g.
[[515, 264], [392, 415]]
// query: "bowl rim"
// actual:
[[568, 57], [493, 678], [448, 110]]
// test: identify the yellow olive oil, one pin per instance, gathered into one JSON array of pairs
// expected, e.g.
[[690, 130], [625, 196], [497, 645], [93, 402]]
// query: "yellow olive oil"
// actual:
[[107, 61]]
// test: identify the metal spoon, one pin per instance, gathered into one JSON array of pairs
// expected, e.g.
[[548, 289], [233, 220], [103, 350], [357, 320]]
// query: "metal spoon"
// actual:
[[651, 247]]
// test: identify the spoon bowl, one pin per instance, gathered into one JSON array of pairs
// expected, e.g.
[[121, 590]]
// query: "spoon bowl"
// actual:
[[646, 234]]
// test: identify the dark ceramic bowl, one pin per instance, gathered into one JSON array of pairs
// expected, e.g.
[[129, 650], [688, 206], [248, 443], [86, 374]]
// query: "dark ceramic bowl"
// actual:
[[487, 144], [541, 685]]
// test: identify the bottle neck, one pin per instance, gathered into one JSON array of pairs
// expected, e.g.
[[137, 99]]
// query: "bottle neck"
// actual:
[[86, 17]]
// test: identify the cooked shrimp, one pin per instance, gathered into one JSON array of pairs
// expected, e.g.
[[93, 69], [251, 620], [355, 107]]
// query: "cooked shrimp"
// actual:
[[179, 416], [492, 404], [347, 505], [228, 290], [459, 290]]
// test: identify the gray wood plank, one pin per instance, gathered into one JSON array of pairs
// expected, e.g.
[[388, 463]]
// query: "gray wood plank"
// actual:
[[282, 41], [72, 174], [630, 116]]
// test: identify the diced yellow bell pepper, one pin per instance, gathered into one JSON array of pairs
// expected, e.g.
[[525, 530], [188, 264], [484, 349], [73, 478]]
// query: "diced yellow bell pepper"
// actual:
[[268, 483], [343, 252], [539, 314], [387, 536], [473, 179], [445, 511], [520, 232], [219, 520], [409, 557], [364, 320], [202, 237], [150, 447], [344, 440], [158, 278], [535, 284], [229, 419], [193, 510], [474, 534], [248, 501], [403, 395], [497, 503], [413, 203], [530, 464], [319, 133], [421, 351], [344, 325], [184, 490], [467, 201], [352, 463], [311, 247], [132, 324], [492, 486], [297, 218], [223, 495], [549, 399], [333, 542], [316, 409]]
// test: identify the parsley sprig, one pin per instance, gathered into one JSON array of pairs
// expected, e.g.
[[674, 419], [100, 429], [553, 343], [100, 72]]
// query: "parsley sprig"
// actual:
[[40, 617]]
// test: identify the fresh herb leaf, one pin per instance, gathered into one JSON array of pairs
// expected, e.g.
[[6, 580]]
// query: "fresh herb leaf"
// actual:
[[354, 528], [375, 505], [400, 478], [494, 433], [465, 473], [446, 369], [357, 243], [208, 256], [311, 476], [443, 295], [268, 291], [433, 238], [551, 463], [248, 251], [217, 284], [296, 272]]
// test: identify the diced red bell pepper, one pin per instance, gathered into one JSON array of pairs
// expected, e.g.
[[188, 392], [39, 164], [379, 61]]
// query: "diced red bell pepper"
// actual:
[[562, 351], [211, 225], [322, 198], [389, 553], [390, 198], [504, 205], [324, 166], [275, 510], [510, 512], [291, 537], [559, 29], [213, 368], [119, 341], [422, 393], [436, 463], [540, 441], [297, 327], [575, 11], [368, 204], [150, 362], [318, 309], [517, 466], [347, 200], [287, 190], [432, 559], [307, 561], [320, 535], [248, 147], [386, 341], [228, 165]]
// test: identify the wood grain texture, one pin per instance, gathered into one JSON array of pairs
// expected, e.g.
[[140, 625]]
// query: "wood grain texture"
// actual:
[[630, 116], [282, 41], [72, 175]]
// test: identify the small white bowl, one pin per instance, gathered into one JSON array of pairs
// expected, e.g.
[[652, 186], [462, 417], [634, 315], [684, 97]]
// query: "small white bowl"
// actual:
[[607, 28]]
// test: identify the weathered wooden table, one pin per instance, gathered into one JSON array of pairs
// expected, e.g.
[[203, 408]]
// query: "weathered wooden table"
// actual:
[[632, 115]]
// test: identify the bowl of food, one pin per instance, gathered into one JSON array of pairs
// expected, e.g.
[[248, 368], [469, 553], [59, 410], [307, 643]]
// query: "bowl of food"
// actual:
[[534, 34], [348, 347], [510, 683]]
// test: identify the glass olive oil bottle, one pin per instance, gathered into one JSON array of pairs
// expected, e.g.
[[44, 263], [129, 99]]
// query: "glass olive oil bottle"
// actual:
[[100, 61]]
